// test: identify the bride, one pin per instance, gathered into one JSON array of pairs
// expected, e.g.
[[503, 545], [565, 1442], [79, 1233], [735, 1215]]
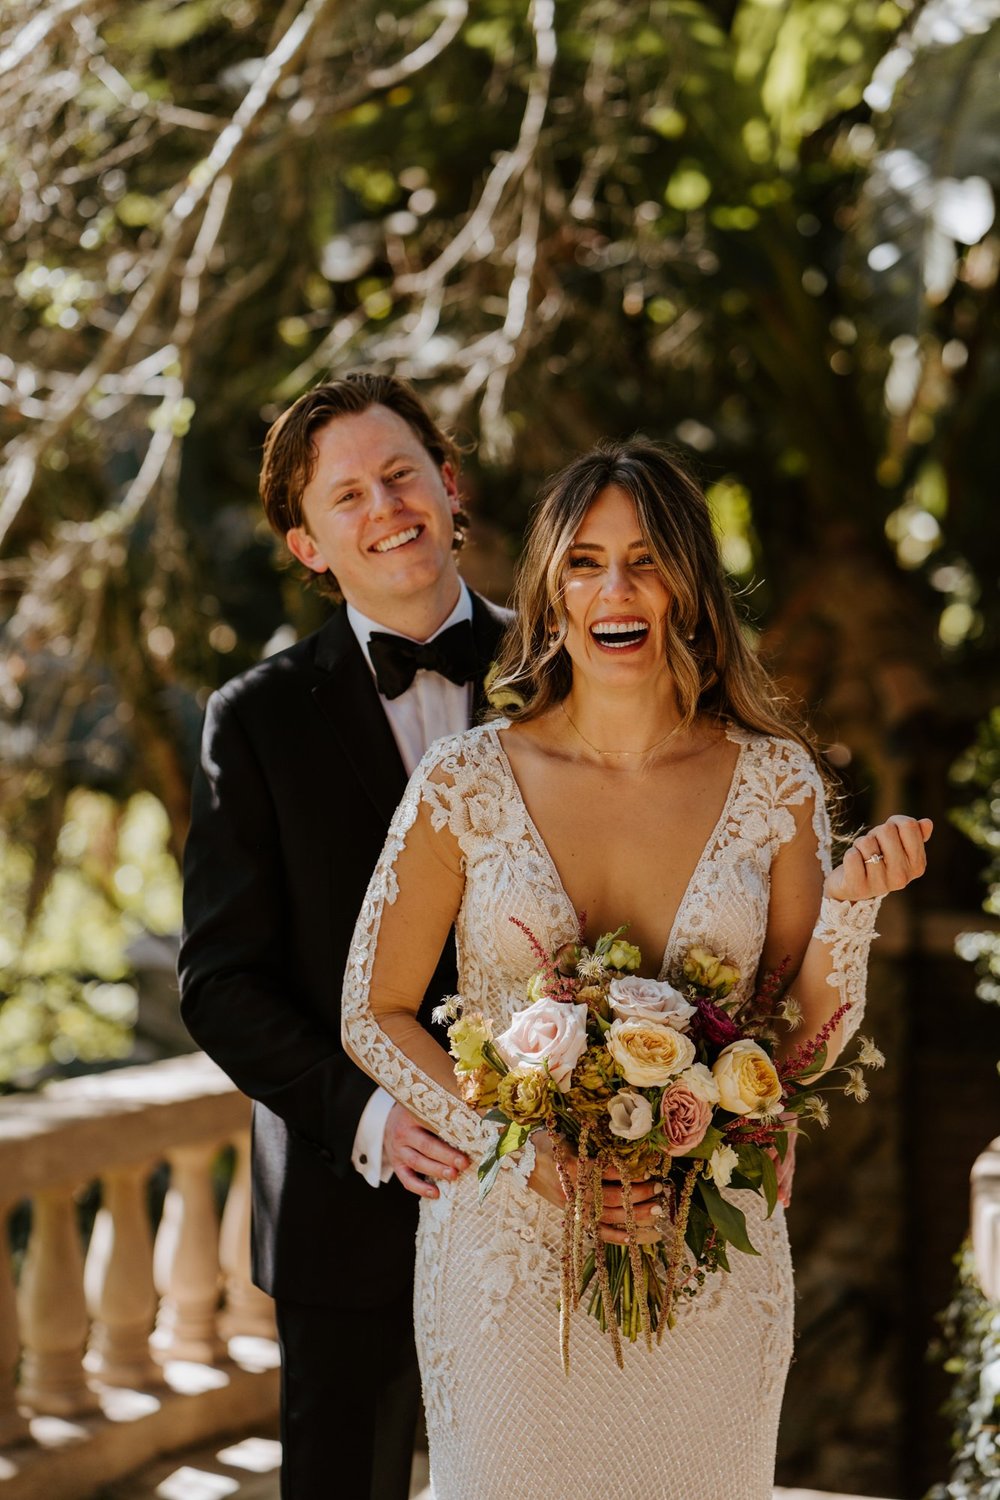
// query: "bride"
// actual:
[[647, 776]]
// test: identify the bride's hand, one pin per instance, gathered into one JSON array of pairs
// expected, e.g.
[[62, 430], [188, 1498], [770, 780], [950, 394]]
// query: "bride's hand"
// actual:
[[885, 859], [646, 1195]]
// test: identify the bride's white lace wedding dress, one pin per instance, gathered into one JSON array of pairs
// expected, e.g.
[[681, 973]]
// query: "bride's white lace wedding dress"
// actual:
[[697, 1418]]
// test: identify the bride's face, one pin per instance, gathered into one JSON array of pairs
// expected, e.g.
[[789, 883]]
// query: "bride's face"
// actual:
[[616, 601]]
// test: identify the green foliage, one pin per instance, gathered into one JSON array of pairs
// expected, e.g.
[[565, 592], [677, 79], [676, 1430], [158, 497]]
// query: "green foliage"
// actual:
[[690, 219], [979, 820], [969, 1347], [66, 989], [970, 1350]]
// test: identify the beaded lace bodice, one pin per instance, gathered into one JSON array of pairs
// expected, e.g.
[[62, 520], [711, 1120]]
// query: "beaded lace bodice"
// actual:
[[503, 1422], [467, 783]]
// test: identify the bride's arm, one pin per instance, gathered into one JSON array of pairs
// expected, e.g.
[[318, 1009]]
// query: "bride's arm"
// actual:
[[411, 905], [823, 920]]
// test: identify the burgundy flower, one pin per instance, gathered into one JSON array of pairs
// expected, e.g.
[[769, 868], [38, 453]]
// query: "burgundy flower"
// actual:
[[713, 1025]]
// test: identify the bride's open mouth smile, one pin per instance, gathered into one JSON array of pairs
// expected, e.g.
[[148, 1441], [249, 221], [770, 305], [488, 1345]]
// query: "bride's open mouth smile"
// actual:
[[627, 633], [397, 540]]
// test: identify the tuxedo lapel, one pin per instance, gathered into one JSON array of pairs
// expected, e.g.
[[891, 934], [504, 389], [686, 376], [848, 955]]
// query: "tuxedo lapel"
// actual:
[[349, 701]]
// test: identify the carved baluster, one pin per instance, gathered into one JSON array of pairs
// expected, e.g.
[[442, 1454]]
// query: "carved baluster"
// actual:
[[118, 1282], [53, 1311], [186, 1261], [13, 1427], [248, 1310]]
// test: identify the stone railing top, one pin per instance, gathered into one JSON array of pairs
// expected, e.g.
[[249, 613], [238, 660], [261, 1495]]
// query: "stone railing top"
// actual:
[[80, 1128]]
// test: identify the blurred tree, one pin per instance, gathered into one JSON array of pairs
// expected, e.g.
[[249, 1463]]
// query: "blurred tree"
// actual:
[[763, 229]]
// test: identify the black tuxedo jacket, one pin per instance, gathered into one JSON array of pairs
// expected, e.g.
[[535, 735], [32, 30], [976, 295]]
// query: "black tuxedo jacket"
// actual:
[[299, 778]]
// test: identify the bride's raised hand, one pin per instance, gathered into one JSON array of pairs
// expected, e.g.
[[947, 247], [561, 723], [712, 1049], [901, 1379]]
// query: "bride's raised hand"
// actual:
[[885, 859]]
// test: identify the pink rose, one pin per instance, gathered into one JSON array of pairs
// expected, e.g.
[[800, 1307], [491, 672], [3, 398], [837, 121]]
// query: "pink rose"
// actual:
[[548, 1032], [635, 999], [685, 1116]]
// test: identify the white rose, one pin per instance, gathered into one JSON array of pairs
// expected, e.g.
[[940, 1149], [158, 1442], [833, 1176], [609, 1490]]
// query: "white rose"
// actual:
[[701, 1081], [650, 1000], [547, 1032], [722, 1164], [647, 1052], [631, 1115], [748, 1081]]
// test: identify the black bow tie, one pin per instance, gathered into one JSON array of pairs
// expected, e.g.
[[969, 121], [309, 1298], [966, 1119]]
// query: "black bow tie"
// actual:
[[397, 660]]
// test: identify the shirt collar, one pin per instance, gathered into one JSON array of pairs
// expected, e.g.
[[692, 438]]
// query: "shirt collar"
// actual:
[[363, 626]]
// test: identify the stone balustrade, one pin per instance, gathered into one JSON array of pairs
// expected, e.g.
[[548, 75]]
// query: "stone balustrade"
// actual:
[[135, 1344], [986, 1219]]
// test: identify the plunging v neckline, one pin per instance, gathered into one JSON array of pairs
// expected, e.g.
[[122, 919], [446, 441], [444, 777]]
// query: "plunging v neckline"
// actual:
[[734, 735]]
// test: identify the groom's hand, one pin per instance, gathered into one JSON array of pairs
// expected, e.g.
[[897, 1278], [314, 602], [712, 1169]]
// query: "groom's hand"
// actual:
[[415, 1154]]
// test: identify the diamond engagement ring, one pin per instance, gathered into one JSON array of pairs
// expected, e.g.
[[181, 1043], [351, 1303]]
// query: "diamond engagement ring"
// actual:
[[874, 859]]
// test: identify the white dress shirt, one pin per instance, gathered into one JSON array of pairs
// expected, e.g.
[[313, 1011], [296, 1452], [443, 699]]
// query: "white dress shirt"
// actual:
[[431, 708]]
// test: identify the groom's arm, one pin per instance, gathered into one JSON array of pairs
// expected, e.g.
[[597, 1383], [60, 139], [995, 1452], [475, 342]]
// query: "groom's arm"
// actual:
[[238, 997]]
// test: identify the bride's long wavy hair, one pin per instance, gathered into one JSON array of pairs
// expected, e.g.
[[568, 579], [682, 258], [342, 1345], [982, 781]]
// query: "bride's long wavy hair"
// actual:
[[714, 670]]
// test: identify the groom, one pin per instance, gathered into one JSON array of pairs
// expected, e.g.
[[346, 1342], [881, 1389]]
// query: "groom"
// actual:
[[304, 759]]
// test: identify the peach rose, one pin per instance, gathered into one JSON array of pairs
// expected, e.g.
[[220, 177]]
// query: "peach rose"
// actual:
[[648, 1054]]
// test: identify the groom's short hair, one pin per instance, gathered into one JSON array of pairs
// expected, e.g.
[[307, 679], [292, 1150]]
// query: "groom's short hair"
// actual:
[[290, 457]]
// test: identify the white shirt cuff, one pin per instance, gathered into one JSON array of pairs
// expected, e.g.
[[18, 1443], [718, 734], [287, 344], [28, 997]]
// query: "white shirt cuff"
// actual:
[[367, 1154]]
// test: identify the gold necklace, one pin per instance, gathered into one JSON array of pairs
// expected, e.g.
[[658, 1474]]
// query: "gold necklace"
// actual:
[[649, 748]]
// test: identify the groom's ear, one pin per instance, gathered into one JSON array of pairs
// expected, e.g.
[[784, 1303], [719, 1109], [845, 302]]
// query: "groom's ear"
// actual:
[[450, 481], [303, 548]]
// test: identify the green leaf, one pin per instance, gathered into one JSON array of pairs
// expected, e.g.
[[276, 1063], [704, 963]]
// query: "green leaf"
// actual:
[[728, 1220], [512, 1139], [487, 1174], [697, 1230], [769, 1181], [712, 1142]]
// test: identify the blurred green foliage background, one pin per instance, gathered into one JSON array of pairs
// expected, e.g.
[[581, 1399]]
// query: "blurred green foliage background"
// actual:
[[760, 229]]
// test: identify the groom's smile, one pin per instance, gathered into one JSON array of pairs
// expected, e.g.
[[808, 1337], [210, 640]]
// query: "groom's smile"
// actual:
[[378, 513]]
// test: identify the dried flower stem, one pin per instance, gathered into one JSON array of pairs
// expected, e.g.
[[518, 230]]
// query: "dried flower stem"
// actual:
[[635, 1256], [581, 1210], [606, 1296], [805, 1052], [559, 987], [677, 1250], [568, 1280]]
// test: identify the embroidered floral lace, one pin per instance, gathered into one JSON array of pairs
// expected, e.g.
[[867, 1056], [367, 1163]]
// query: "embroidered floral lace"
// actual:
[[698, 1418]]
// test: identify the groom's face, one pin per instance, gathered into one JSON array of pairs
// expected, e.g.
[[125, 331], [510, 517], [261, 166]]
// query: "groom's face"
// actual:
[[378, 512]]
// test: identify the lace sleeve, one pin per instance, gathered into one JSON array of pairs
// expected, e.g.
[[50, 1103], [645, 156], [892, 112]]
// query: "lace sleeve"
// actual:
[[409, 908], [844, 930]]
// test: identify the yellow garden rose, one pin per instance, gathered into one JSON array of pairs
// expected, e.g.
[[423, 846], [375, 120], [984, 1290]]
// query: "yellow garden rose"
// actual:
[[704, 969], [747, 1079], [648, 1055], [623, 956], [466, 1037]]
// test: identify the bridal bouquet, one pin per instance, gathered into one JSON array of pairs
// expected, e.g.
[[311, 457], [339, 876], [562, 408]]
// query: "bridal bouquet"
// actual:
[[641, 1078]]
